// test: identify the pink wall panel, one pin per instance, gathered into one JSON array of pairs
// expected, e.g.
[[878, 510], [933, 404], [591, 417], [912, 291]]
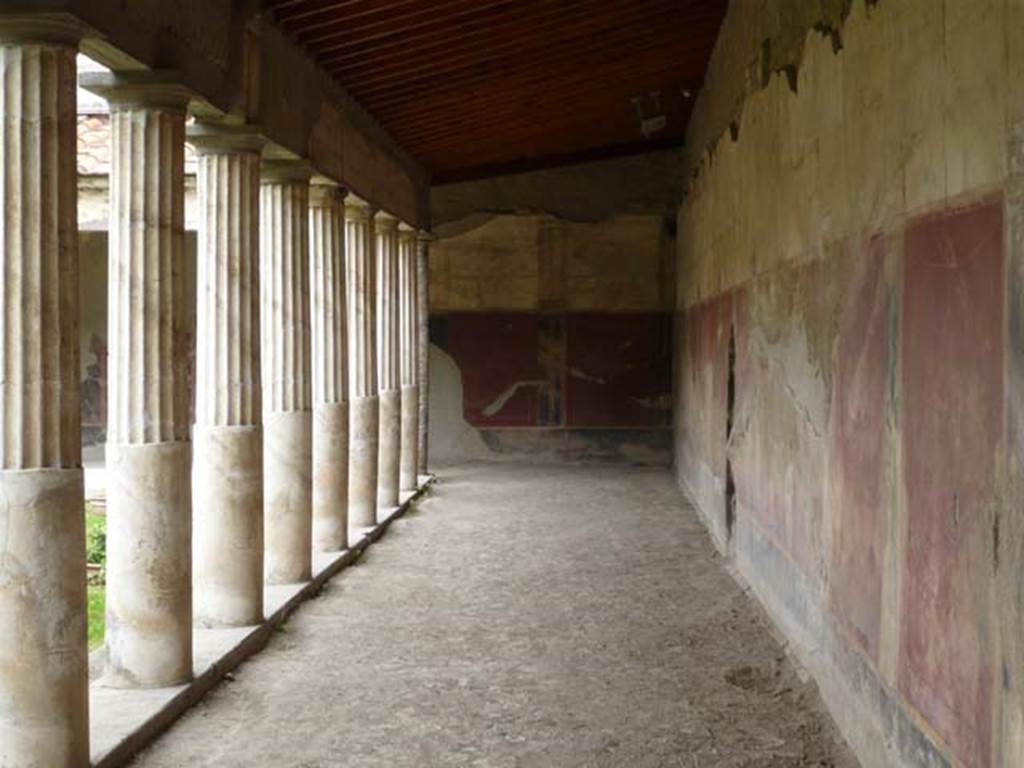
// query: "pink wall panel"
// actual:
[[952, 395], [860, 403]]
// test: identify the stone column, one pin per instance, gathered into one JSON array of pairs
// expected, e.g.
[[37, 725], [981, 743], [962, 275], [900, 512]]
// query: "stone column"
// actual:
[[149, 515], [423, 344], [228, 433], [388, 391], [287, 400], [44, 682], [330, 370], [408, 346], [362, 345]]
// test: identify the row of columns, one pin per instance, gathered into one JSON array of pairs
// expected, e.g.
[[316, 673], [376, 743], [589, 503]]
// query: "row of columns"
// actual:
[[308, 396]]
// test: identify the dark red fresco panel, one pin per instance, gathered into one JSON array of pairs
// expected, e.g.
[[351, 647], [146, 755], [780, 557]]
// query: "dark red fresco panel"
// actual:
[[619, 370], [497, 354]]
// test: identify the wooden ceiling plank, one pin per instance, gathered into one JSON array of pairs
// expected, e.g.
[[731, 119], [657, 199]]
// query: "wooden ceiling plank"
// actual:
[[564, 106], [485, 140], [550, 44], [501, 74], [433, 50], [344, 28], [471, 86], [304, 23], [542, 99], [387, 105], [578, 116], [432, 25], [442, 30], [544, 14], [331, 6]]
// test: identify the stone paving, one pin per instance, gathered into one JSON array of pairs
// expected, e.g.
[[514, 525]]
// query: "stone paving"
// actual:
[[522, 616]]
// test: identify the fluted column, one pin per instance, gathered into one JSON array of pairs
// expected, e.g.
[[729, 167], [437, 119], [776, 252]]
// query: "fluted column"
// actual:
[[228, 433], [43, 660], [149, 529], [408, 347], [360, 285], [423, 345], [330, 371], [287, 396], [388, 390]]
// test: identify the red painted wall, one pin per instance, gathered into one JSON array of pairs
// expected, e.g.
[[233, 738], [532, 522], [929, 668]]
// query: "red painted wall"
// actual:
[[561, 370], [701, 393], [860, 404], [952, 346], [869, 432]]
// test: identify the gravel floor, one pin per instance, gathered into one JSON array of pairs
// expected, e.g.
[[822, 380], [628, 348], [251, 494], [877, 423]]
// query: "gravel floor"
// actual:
[[522, 616]]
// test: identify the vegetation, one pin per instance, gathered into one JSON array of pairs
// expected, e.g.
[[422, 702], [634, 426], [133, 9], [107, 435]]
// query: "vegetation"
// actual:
[[97, 603], [95, 536], [96, 555]]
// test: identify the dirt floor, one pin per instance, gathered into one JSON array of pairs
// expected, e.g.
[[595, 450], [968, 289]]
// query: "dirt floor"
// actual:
[[522, 616]]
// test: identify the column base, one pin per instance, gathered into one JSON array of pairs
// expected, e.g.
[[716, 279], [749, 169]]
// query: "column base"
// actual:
[[288, 496], [364, 414], [330, 477], [149, 574], [409, 462], [44, 688], [390, 447], [228, 541]]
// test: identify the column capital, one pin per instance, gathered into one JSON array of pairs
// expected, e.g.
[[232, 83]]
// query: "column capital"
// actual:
[[385, 221], [213, 138], [425, 237], [277, 170], [157, 89], [406, 232], [357, 208], [40, 28], [324, 192]]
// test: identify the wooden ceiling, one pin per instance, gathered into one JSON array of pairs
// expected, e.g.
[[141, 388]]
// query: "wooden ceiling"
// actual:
[[473, 88]]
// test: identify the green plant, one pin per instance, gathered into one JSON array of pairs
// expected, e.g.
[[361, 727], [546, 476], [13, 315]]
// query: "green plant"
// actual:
[[95, 537], [97, 606]]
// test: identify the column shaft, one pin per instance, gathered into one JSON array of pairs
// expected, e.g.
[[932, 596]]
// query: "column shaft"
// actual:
[[228, 434], [423, 347], [389, 449], [149, 529], [360, 282], [408, 342], [330, 372], [43, 660], [287, 414]]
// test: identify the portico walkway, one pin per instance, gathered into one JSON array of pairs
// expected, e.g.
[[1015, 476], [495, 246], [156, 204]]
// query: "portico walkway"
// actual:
[[521, 616]]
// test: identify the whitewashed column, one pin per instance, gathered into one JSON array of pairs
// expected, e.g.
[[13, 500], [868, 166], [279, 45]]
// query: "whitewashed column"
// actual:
[[149, 520], [360, 281], [388, 390], [43, 660], [287, 395], [330, 370], [423, 345], [228, 433], [408, 347]]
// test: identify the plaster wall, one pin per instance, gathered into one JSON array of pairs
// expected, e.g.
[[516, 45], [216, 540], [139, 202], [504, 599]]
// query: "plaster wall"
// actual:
[[554, 333], [853, 219]]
